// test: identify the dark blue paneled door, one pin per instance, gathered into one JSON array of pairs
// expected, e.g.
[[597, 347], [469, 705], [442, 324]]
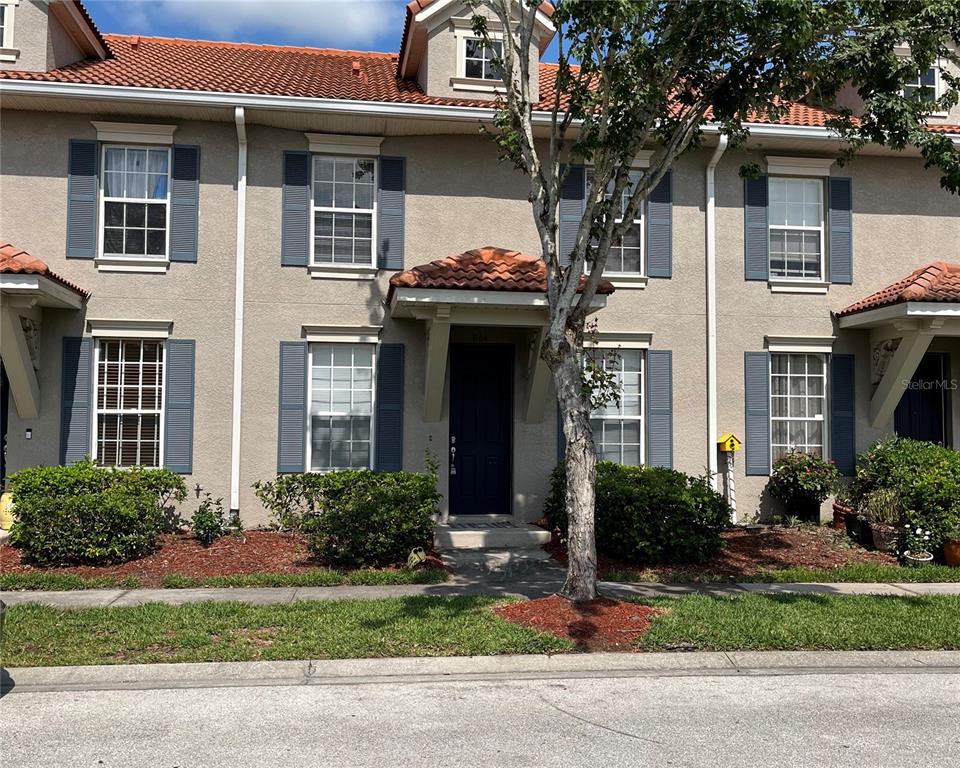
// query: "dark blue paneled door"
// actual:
[[481, 397], [922, 409]]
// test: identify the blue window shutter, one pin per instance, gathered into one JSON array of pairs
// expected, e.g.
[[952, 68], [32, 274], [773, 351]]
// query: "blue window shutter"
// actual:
[[76, 401], [572, 199], [292, 429], [184, 202], [660, 229], [756, 375], [82, 199], [660, 408], [390, 219], [756, 234], [389, 426], [843, 424], [295, 227], [841, 231], [561, 438], [178, 411]]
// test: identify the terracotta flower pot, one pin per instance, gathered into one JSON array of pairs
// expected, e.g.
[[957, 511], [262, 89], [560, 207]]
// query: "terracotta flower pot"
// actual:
[[839, 513], [884, 537], [918, 559], [951, 552]]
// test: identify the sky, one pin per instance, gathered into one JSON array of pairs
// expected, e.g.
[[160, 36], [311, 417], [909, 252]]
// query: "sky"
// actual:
[[368, 25]]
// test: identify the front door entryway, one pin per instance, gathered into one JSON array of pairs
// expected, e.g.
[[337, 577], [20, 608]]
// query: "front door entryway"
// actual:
[[922, 409], [481, 418]]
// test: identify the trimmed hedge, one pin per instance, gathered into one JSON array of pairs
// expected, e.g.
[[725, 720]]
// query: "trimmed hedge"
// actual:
[[925, 477], [355, 517], [648, 515], [85, 514]]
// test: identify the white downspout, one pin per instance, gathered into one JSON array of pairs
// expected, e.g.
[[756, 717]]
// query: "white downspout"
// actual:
[[711, 255], [239, 118]]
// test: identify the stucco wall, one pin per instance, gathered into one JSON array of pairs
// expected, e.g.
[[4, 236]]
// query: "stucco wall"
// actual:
[[29, 36], [198, 298]]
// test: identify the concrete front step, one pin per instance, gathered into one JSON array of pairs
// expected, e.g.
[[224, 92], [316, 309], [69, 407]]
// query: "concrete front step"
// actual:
[[466, 561], [489, 534]]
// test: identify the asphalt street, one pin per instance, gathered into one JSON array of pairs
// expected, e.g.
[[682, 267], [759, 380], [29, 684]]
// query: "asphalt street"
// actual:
[[764, 717]]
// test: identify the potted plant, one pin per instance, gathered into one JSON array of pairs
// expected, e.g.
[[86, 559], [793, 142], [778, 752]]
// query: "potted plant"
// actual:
[[881, 508], [802, 481], [843, 505], [951, 546], [916, 544]]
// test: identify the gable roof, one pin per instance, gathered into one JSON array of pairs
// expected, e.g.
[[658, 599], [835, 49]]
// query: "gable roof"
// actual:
[[14, 260], [482, 269], [938, 281]]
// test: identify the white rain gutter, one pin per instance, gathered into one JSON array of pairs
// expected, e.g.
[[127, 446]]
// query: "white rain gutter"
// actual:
[[711, 257], [240, 120]]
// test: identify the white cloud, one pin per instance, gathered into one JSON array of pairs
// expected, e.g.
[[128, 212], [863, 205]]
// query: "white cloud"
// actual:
[[336, 23]]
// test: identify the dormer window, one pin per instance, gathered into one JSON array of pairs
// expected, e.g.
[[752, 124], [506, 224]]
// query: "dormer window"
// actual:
[[7, 51], [925, 86], [479, 59]]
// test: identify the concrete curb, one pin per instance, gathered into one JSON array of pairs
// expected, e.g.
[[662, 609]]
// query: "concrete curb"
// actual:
[[489, 668], [529, 588]]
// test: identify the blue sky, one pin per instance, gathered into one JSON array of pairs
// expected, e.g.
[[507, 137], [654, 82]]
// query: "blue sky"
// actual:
[[373, 25]]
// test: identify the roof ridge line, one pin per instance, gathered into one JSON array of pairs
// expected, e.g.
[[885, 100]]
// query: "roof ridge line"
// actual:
[[131, 38]]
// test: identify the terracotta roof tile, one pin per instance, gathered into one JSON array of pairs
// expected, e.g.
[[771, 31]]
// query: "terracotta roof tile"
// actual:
[[276, 70], [482, 269], [15, 260], [935, 282]]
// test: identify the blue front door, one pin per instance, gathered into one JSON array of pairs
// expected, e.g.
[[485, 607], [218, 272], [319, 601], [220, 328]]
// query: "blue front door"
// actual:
[[481, 418], [922, 409]]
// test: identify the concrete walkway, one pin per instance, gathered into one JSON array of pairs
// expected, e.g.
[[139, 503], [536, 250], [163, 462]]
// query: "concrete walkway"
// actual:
[[536, 583]]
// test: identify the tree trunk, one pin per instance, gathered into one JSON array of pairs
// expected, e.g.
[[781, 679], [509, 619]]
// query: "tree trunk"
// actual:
[[581, 460]]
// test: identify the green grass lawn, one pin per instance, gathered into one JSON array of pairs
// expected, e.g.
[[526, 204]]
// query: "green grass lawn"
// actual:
[[451, 626], [416, 626], [855, 572], [805, 622], [319, 577]]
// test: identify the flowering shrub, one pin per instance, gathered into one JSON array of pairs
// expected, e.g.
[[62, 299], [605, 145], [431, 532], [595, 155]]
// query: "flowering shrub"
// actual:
[[916, 540], [802, 480]]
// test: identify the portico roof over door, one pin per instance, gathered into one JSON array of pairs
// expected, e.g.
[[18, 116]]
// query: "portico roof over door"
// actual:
[[903, 319], [484, 287]]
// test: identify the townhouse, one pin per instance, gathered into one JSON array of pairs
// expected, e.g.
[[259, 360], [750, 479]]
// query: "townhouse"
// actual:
[[236, 260]]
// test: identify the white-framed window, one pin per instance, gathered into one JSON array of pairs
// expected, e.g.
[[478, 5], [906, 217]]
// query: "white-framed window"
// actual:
[[344, 210], [926, 85], [626, 255], [129, 402], [618, 427], [796, 228], [479, 58], [798, 397], [4, 26], [135, 202], [7, 11], [341, 406]]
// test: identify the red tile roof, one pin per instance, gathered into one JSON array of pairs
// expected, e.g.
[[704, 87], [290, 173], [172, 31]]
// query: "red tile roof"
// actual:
[[319, 73], [935, 282], [15, 260], [483, 269]]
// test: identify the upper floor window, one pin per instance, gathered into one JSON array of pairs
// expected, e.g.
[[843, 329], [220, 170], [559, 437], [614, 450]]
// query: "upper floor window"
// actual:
[[7, 51], [796, 228], [344, 204], [3, 27], [626, 255], [923, 86], [797, 403], [618, 426], [129, 402], [479, 59], [341, 406], [135, 201]]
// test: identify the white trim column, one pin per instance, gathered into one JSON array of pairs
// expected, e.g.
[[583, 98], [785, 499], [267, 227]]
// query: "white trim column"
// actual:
[[538, 374], [438, 343]]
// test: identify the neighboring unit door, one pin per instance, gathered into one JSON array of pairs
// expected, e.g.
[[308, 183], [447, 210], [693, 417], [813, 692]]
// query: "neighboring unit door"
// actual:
[[922, 409], [481, 415]]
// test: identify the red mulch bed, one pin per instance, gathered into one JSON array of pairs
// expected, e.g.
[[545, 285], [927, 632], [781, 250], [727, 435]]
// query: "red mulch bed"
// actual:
[[181, 555], [595, 625], [747, 552]]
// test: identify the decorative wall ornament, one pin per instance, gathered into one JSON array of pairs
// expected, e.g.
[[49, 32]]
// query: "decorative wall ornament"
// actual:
[[880, 358], [31, 331]]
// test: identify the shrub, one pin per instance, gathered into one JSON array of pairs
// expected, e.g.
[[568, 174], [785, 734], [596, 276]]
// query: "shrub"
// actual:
[[88, 514], [356, 517], [802, 481], [647, 515], [210, 523], [925, 476]]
